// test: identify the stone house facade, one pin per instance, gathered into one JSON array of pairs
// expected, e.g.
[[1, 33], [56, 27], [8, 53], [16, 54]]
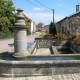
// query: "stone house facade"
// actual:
[[33, 27], [70, 23], [46, 29], [42, 28]]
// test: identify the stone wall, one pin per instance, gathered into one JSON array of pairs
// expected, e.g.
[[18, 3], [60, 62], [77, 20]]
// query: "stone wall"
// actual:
[[38, 68], [29, 68], [69, 23], [44, 42], [75, 47], [47, 42]]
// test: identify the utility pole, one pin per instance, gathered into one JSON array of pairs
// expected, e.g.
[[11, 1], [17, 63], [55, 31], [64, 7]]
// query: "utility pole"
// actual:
[[53, 15]]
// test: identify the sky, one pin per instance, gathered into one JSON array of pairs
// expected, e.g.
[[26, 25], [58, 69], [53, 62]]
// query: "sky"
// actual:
[[43, 12]]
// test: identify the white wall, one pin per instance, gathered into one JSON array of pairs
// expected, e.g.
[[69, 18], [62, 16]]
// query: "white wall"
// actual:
[[32, 27]]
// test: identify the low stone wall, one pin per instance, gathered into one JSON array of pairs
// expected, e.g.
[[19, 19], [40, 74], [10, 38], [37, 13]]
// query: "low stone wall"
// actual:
[[29, 68], [75, 47], [44, 42], [47, 42], [63, 43]]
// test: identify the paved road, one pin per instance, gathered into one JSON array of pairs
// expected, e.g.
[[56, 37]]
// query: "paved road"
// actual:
[[6, 45], [53, 77]]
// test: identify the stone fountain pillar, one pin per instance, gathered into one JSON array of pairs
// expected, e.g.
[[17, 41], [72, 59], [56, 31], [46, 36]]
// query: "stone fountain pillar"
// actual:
[[20, 38]]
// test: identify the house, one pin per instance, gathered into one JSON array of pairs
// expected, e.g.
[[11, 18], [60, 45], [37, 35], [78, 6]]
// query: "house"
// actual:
[[32, 25], [46, 28], [34, 28], [42, 28], [69, 23]]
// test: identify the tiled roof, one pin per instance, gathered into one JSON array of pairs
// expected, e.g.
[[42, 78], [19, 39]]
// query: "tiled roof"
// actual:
[[40, 23], [74, 14], [70, 16]]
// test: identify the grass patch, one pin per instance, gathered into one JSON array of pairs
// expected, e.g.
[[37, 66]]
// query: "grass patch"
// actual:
[[42, 34]]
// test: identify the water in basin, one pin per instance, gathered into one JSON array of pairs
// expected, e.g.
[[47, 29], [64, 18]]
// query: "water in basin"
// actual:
[[29, 58], [39, 58], [64, 51], [29, 45]]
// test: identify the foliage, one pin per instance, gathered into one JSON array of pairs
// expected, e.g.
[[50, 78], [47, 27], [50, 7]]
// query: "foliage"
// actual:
[[73, 35], [77, 40], [27, 24], [4, 22], [28, 30], [7, 17], [52, 28], [5, 34], [42, 34], [60, 36], [48, 36], [45, 35]]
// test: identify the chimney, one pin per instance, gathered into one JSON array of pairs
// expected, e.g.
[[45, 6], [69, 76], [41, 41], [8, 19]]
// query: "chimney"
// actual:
[[77, 8]]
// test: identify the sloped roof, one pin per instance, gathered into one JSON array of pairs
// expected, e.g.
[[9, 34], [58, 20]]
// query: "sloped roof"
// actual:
[[27, 17], [69, 16], [40, 23], [74, 14]]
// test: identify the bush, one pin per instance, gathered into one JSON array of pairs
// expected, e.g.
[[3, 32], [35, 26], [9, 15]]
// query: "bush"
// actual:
[[52, 28], [73, 35], [77, 40], [48, 36], [42, 34], [60, 36], [5, 34]]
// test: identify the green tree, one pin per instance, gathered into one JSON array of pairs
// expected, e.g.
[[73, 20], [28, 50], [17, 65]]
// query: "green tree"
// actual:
[[52, 28], [28, 25], [7, 17]]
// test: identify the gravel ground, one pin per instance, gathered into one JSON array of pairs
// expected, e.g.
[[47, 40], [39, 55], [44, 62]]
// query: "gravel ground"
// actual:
[[52, 77], [6, 45]]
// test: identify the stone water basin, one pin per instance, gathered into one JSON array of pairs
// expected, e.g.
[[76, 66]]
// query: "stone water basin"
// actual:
[[39, 65]]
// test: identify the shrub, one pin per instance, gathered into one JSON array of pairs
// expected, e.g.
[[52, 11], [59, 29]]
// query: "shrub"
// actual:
[[42, 34], [5, 34], [60, 36], [52, 28], [73, 35], [77, 40], [48, 36]]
